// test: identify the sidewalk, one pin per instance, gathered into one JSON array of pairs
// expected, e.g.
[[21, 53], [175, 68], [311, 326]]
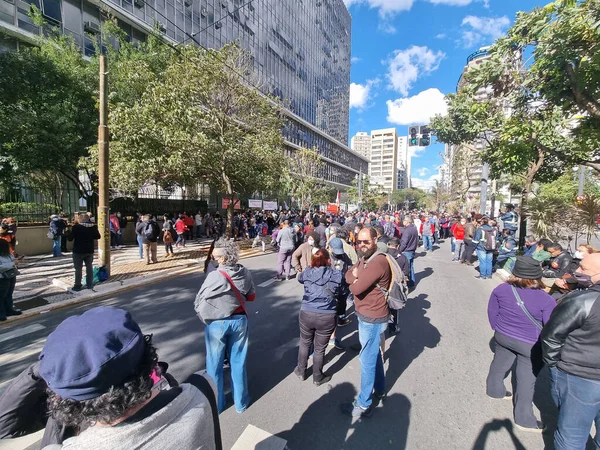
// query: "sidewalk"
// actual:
[[44, 282]]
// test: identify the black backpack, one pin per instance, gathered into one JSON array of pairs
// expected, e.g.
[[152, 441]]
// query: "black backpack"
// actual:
[[489, 240], [149, 231]]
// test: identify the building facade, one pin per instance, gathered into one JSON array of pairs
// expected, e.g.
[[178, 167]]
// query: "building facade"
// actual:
[[383, 170], [403, 164], [300, 52], [361, 144]]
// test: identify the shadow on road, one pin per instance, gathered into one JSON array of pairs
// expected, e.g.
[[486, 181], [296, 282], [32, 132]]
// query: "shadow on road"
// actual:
[[494, 426], [419, 276], [323, 426], [416, 334]]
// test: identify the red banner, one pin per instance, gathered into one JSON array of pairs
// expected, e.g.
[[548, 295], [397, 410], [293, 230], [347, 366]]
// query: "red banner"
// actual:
[[226, 201]]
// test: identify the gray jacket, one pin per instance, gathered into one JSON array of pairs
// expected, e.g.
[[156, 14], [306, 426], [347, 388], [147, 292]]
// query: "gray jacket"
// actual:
[[286, 238], [216, 298]]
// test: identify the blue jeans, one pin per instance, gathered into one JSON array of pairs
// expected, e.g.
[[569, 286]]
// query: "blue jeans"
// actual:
[[141, 245], [411, 259], [428, 242], [56, 247], [453, 244], [485, 263], [231, 335], [372, 376], [578, 402]]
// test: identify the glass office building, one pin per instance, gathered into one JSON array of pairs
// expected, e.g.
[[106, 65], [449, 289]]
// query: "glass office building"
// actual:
[[300, 50]]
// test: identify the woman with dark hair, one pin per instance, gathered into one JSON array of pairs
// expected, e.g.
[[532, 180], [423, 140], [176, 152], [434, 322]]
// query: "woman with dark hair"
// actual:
[[317, 314], [517, 311], [8, 278]]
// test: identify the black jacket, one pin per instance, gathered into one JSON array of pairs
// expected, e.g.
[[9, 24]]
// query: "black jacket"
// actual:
[[83, 236], [409, 240], [140, 229], [559, 266], [571, 338]]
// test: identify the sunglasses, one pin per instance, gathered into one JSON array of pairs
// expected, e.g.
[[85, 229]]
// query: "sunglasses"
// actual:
[[363, 242]]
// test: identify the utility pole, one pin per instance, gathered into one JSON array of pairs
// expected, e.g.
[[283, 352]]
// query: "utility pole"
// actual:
[[581, 180], [485, 173], [103, 216], [360, 188]]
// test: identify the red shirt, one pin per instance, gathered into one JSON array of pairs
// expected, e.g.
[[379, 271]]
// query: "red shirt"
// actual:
[[459, 231]]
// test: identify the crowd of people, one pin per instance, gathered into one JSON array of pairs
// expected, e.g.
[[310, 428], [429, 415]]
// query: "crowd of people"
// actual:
[[545, 312]]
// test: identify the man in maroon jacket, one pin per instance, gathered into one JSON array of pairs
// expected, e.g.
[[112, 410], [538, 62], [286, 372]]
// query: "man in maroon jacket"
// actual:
[[367, 278]]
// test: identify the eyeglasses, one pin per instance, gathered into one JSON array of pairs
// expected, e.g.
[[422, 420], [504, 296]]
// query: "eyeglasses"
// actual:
[[358, 241]]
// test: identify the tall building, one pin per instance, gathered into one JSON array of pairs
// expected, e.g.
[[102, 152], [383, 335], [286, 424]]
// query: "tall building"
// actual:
[[403, 164], [361, 144], [463, 162], [383, 170], [300, 52]]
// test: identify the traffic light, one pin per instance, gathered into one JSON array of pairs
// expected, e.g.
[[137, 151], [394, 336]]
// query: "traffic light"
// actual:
[[425, 137], [414, 140]]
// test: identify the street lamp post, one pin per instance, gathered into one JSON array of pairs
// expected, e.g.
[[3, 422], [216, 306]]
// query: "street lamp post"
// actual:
[[103, 200]]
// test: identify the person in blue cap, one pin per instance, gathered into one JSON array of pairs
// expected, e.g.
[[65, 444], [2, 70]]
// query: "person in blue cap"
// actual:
[[103, 380]]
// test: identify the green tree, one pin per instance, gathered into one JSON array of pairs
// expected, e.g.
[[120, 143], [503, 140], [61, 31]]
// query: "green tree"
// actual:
[[199, 122], [305, 181], [409, 198], [48, 116]]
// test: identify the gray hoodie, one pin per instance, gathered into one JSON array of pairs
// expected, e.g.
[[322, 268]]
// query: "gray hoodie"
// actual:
[[286, 238], [183, 424], [217, 292]]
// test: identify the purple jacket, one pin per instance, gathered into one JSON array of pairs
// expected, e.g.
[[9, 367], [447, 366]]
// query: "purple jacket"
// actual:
[[507, 317]]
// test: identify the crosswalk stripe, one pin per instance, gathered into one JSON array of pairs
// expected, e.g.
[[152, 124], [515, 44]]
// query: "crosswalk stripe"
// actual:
[[267, 283], [21, 332], [254, 437], [22, 353]]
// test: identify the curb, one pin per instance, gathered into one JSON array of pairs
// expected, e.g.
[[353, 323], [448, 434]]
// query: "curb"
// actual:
[[144, 280]]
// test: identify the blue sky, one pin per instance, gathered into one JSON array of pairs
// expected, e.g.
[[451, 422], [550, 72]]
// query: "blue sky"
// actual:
[[407, 54]]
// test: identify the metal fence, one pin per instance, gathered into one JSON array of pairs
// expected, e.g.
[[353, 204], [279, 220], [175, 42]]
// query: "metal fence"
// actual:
[[35, 206]]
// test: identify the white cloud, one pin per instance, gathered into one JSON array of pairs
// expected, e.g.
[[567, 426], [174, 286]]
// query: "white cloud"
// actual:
[[440, 36], [486, 3], [418, 109], [355, 59], [425, 183], [414, 152], [387, 8], [483, 28], [423, 171], [405, 66], [360, 94], [386, 27]]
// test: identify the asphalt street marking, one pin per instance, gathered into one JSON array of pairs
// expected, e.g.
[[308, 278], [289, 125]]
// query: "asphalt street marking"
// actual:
[[267, 283], [21, 332], [31, 349], [257, 439]]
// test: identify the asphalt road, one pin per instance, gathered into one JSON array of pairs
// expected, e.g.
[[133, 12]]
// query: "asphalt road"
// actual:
[[436, 367]]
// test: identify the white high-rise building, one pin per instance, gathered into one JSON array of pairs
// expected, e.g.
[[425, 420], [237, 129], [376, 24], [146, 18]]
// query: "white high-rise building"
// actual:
[[361, 144], [403, 164], [383, 167]]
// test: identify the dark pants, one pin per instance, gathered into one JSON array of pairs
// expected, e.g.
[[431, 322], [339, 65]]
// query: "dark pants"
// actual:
[[341, 305], [7, 287], [63, 244], [284, 262], [467, 255], [528, 365], [78, 260], [168, 247], [315, 328]]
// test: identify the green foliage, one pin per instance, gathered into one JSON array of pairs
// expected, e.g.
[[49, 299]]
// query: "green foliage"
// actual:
[[304, 180], [28, 212], [47, 110], [409, 198]]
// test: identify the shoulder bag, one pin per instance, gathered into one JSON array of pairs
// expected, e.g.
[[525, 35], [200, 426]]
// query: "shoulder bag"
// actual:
[[522, 305]]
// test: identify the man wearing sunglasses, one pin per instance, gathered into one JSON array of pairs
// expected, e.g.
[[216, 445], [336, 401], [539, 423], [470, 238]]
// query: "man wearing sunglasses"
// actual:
[[571, 348], [367, 278]]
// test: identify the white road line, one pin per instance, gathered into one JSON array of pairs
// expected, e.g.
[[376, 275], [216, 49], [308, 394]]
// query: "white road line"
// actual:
[[267, 283], [21, 332], [25, 352], [255, 438]]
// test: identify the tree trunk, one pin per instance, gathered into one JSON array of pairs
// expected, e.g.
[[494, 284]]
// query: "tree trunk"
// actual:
[[531, 173], [230, 206]]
